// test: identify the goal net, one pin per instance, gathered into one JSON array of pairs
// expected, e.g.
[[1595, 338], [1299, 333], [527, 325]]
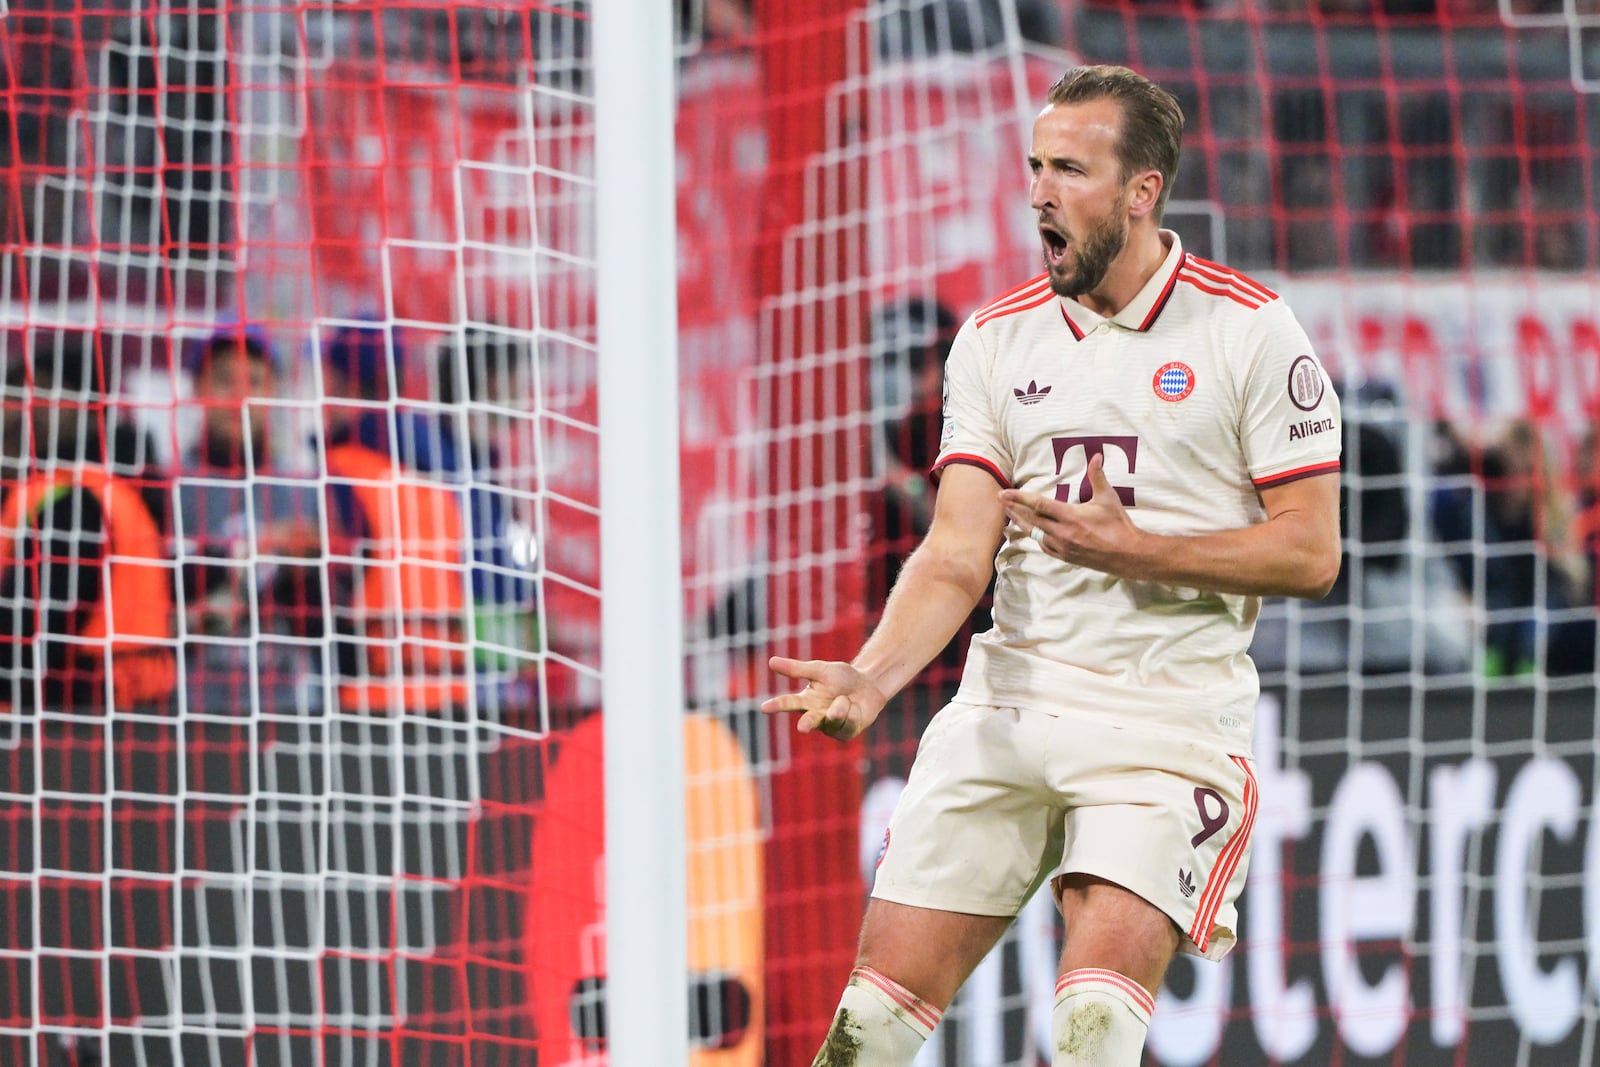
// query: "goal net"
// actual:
[[300, 756], [300, 460]]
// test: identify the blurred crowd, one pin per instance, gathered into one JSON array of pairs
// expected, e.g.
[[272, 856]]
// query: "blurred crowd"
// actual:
[[1470, 549], [217, 555]]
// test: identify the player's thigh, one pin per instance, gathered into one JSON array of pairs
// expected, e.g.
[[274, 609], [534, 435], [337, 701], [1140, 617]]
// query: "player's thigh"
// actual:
[[1110, 927], [1171, 823], [930, 952], [977, 828]]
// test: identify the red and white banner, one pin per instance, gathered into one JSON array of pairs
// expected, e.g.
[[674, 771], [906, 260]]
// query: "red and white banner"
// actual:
[[1462, 347]]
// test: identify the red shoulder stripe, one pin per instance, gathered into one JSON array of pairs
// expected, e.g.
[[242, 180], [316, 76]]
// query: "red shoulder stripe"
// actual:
[[1014, 308], [1229, 279], [1006, 296], [1237, 298], [1244, 281]]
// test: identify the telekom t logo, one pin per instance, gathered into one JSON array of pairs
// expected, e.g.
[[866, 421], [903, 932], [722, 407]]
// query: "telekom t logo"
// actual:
[[1092, 447]]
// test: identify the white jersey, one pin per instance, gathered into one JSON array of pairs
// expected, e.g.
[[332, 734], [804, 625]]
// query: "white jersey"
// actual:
[[1199, 393]]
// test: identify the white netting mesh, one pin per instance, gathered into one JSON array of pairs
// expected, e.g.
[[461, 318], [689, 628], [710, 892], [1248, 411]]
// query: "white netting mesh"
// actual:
[[336, 798]]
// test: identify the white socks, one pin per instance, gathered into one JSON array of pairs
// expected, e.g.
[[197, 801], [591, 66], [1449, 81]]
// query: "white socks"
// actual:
[[1100, 1020], [879, 1023]]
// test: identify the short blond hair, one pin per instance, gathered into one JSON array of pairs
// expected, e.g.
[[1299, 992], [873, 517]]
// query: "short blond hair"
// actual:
[[1152, 122]]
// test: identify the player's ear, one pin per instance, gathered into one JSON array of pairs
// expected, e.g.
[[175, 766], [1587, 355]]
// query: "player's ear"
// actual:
[[1144, 190]]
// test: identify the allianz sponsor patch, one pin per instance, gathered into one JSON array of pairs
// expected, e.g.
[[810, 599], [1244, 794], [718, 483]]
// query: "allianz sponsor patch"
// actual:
[[1299, 431]]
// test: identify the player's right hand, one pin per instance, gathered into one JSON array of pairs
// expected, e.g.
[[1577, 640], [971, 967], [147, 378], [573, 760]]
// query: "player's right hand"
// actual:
[[837, 700]]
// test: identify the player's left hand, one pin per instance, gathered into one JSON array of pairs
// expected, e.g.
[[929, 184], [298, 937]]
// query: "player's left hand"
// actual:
[[1096, 533]]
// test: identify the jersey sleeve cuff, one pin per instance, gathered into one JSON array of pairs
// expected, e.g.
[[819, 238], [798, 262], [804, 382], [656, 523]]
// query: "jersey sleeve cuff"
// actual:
[[971, 460], [1284, 477]]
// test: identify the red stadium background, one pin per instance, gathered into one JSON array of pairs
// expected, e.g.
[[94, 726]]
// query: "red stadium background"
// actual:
[[1430, 213]]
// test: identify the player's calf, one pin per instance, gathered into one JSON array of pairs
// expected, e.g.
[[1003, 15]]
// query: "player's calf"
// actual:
[[880, 1023], [1100, 1019]]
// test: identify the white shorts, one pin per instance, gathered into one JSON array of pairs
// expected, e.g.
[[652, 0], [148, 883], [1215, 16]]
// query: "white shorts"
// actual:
[[1000, 800]]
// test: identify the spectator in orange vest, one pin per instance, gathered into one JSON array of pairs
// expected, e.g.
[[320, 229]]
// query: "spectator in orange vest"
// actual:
[[254, 540], [406, 618], [85, 589], [483, 385]]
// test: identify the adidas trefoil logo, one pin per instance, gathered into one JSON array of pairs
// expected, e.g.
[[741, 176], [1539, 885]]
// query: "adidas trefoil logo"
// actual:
[[1185, 883], [1031, 395]]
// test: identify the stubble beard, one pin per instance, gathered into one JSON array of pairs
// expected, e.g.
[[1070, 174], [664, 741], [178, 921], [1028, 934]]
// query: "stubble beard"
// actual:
[[1091, 258]]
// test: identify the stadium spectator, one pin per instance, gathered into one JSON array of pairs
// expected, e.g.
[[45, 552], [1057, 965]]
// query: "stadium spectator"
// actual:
[[83, 420], [1531, 565], [252, 537], [364, 363], [85, 592], [1132, 539], [476, 382], [406, 610]]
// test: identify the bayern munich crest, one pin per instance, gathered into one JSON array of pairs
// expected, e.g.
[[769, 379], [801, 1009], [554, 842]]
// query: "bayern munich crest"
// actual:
[[1173, 382]]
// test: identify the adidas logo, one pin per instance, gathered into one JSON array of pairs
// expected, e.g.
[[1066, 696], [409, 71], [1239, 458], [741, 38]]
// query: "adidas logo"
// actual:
[[1185, 883], [1031, 395]]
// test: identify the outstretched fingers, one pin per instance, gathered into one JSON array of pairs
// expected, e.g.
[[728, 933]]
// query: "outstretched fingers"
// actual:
[[837, 701], [811, 698], [832, 720]]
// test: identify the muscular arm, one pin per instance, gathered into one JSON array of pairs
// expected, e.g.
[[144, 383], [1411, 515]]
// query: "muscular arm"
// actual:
[[941, 582], [937, 589], [1295, 552]]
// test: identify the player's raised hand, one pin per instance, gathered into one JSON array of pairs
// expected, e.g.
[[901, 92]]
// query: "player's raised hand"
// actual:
[[1096, 533], [837, 699]]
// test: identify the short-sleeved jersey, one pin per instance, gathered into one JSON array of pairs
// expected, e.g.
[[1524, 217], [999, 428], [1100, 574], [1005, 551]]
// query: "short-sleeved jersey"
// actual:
[[1198, 394]]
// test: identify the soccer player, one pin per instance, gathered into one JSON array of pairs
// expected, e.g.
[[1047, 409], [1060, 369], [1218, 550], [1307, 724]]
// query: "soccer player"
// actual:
[[1166, 447]]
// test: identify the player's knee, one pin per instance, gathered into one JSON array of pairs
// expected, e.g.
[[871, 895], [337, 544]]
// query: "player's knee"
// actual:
[[1108, 926]]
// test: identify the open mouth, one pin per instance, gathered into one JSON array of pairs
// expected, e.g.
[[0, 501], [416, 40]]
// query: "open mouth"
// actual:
[[1055, 246]]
